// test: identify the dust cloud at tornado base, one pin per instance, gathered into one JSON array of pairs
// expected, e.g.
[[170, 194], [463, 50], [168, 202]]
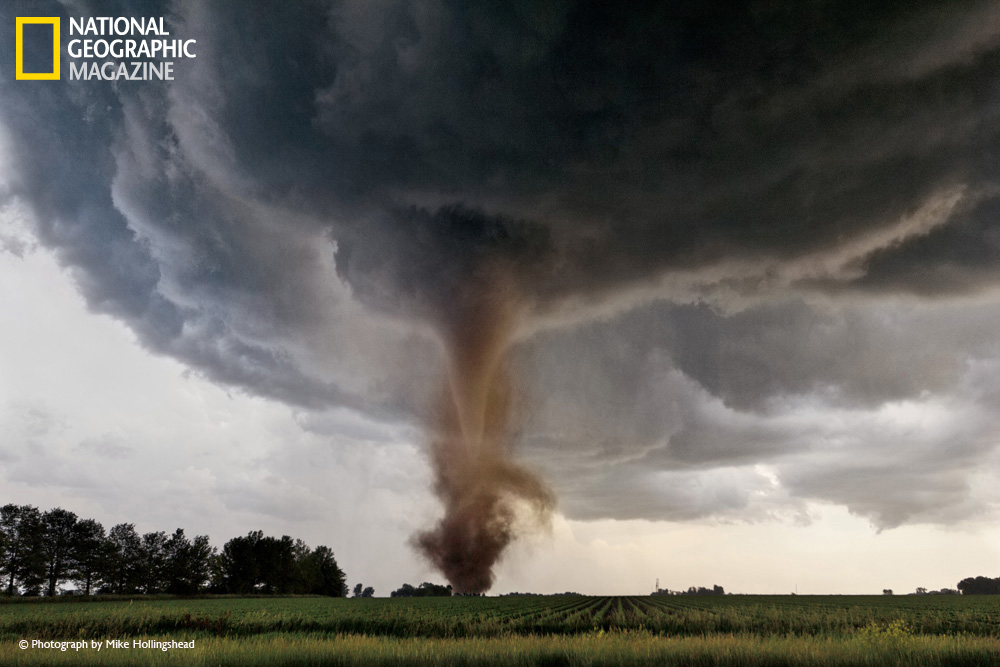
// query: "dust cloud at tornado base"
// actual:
[[483, 490]]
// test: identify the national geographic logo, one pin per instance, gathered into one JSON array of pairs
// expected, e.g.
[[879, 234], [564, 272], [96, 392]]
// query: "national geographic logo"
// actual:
[[43, 31], [102, 48]]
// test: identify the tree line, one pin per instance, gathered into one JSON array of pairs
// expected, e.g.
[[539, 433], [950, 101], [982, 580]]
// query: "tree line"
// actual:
[[425, 589], [693, 590], [41, 552], [979, 586]]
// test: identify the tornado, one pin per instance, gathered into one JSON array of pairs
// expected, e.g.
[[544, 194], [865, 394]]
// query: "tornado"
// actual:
[[488, 498]]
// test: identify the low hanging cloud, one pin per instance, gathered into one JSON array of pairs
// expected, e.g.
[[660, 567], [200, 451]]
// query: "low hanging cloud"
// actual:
[[736, 236]]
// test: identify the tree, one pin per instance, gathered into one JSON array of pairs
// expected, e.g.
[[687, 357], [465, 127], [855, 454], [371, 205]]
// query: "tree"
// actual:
[[239, 564], [357, 590], [304, 578], [328, 578], [199, 559], [187, 563], [216, 574], [88, 552], [57, 545], [404, 591], [979, 586], [281, 572], [154, 562], [39, 551], [123, 568], [23, 560], [258, 564], [701, 590], [425, 589], [368, 592]]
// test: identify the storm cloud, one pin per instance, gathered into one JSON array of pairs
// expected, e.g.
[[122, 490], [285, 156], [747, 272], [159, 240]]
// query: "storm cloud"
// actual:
[[754, 244]]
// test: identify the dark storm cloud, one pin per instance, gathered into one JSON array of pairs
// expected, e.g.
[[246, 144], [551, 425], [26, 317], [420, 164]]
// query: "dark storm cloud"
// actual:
[[614, 145], [767, 175]]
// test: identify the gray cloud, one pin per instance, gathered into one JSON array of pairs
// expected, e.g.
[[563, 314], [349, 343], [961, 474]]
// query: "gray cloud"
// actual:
[[886, 407], [108, 446], [741, 232]]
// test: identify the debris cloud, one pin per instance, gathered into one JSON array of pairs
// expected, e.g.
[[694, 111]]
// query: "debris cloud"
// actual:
[[481, 487]]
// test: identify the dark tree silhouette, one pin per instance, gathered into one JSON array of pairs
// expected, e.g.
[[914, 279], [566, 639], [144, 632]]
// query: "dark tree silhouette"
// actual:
[[59, 528], [41, 551], [123, 570], [325, 576], [154, 562], [425, 589], [259, 564], [89, 551], [23, 561], [979, 586], [239, 564], [187, 563]]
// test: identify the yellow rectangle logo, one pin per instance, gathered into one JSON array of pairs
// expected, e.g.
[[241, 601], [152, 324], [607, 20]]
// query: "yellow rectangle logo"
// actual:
[[19, 39]]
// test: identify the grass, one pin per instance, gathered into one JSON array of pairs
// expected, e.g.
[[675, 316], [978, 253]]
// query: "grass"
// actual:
[[730, 630], [592, 649]]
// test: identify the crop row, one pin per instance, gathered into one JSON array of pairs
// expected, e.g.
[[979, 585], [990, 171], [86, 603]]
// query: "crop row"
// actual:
[[497, 617]]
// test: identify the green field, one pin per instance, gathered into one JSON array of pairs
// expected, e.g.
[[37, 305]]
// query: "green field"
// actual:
[[726, 630]]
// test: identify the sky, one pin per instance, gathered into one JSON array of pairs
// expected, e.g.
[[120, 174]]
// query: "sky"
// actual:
[[743, 256]]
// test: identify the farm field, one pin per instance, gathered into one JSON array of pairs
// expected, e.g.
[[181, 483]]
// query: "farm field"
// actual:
[[571, 630]]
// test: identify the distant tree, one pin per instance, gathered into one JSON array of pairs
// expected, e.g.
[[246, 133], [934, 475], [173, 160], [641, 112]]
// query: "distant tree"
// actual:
[[22, 561], [239, 562], [358, 588], [328, 577], [425, 589], [187, 563], [921, 590], [39, 551], [216, 573], [697, 590], [279, 569], [199, 559], [57, 545], [175, 573], [404, 591], [256, 563], [154, 562], [123, 568], [434, 590], [979, 586], [88, 552], [368, 592], [886, 591], [305, 576]]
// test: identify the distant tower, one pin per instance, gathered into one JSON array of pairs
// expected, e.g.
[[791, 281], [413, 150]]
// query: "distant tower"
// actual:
[[657, 585]]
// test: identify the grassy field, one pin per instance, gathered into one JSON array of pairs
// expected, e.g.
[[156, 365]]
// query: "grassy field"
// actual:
[[729, 630]]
